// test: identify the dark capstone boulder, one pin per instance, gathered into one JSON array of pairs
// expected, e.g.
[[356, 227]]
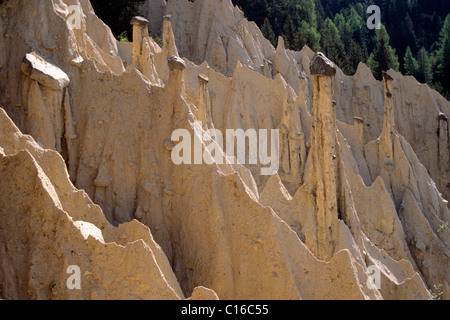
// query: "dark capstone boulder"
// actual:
[[322, 66]]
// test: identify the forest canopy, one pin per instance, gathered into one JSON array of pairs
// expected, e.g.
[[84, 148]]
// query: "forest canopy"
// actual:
[[414, 38]]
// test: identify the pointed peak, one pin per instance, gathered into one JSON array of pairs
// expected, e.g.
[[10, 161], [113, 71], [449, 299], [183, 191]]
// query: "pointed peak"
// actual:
[[280, 45], [362, 67], [364, 72], [308, 51], [275, 188]]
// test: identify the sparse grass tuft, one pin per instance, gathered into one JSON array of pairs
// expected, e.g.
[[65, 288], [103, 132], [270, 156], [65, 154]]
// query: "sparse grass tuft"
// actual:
[[123, 37], [158, 40], [442, 227], [437, 292]]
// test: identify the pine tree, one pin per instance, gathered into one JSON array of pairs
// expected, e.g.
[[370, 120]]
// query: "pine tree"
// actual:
[[410, 63], [383, 57], [320, 12], [425, 67], [404, 36], [413, 23], [331, 42], [345, 32], [306, 35], [355, 55], [355, 23], [268, 32], [301, 36], [289, 31], [443, 59], [306, 11]]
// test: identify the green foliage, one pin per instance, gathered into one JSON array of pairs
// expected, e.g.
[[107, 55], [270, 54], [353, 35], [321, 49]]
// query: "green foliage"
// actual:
[[383, 57], [307, 35], [420, 25], [418, 31], [52, 287], [3, 9], [123, 37], [268, 32], [425, 62], [355, 55], [442, 227], [158, 40], [442, 71], [289, 31], [437, 292], [410, 64], [332, 44]]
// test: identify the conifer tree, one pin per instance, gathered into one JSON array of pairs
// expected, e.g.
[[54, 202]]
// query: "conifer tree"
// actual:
[[289, 31], [410, 63], [425, 74], [307, 35], [383, 56], [355, 54], [331, 42], [443, 59], [418, 24], [268, 32]]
